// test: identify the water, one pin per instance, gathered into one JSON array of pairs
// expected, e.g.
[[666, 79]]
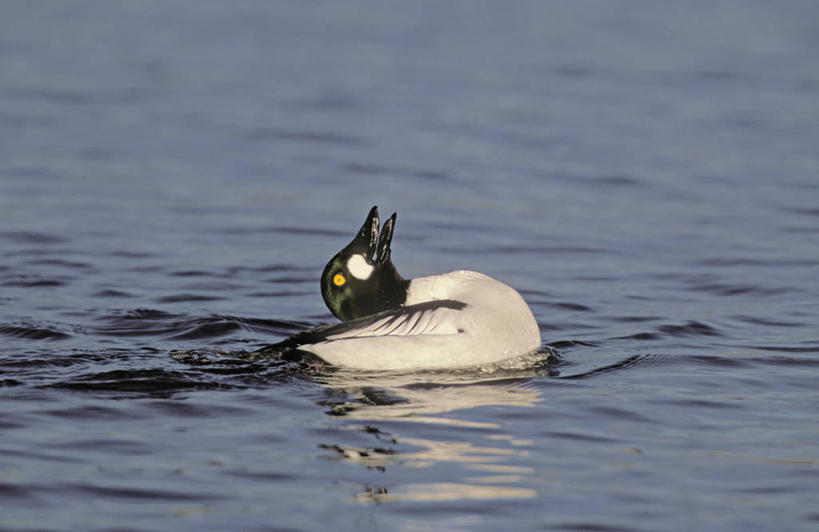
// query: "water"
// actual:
[[174, 176]]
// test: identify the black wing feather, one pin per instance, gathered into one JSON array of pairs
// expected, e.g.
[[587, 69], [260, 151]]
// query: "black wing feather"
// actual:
[[393, 319]]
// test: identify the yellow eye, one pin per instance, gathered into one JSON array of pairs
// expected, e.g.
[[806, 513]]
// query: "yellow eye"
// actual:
[[339, 279]]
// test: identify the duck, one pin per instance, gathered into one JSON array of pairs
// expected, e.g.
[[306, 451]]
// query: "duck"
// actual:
[[453, 320]]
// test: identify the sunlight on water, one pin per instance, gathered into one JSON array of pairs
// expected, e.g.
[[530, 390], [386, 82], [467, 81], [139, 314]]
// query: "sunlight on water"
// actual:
[[410, 403], [417, 401], [445, 492]]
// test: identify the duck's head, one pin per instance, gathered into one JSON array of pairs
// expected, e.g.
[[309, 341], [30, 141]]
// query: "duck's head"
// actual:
[[361, 279]]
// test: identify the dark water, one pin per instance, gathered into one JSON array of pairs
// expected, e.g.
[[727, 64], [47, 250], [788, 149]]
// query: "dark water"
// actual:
[[174, 175]]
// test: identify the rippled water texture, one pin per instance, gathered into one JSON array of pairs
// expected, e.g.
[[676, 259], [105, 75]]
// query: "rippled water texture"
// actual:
[[174, 176]]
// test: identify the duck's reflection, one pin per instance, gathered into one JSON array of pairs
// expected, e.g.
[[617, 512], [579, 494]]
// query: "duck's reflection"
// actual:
[[448, 428], [443, 491]]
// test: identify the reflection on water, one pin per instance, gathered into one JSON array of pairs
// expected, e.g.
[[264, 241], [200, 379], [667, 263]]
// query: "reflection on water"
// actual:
[[444, 492], [488, 471]]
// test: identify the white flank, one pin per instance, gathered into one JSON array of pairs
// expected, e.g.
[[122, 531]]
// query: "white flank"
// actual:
[[358, 266], [495, 325]]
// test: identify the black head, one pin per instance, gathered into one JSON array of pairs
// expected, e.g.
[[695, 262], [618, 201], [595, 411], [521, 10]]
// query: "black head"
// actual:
[[361, 279]]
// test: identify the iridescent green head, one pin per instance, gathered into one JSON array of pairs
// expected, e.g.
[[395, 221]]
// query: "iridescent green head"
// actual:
[[361, 278]]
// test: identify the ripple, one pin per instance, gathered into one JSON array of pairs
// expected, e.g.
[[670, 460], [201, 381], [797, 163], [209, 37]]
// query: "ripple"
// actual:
[[146, 313], [193, 410], [588, 526], [264, 476], [58, 96], [90, 412], [520, 249], [111, 293], [186, 298], [233, 270], [212, 286], [106, 445], [137, 494], [731, 289], [799, 229], [744, 261], [60, 262], [639, 336], [16, 491], [565, 344], [39, 362], [312, 137], [33, 332], [626, 363], [31, 237], [635, 319], [208, 329], [140, 322], [143, 381], [267, 325], [39, 456], [129, 254], [546, 249], [318, 231], [283, 293], [788, 349], [768, 323], [692, 328], [621, 413], [719, 361], [577, 436], [806, 211], [150, 322], [191, 273], [32, 281], [371, 169], [569, 306], [768, 490], [616, 180], [289, 280], [701, 403]]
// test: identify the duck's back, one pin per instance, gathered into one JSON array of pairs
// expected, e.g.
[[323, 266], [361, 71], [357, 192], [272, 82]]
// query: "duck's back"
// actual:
[[496, 321]]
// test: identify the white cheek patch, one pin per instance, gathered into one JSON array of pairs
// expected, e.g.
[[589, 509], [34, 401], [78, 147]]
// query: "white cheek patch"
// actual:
[[359, 268]]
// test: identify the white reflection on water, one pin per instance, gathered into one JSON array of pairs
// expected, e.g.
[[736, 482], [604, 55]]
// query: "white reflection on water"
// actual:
[[482, 465], [445, 491]]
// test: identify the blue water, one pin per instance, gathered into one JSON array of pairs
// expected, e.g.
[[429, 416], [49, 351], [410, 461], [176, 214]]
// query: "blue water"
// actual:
[[174, 176]]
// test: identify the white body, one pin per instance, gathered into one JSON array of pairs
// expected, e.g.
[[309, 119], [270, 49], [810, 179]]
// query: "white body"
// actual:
[[496, 324]]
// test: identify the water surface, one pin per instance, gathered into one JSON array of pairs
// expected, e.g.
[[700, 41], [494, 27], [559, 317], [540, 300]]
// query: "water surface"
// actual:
[[174, 176]]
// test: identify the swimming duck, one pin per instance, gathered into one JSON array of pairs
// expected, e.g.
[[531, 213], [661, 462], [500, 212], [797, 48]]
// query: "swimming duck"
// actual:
[[457, 319]]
